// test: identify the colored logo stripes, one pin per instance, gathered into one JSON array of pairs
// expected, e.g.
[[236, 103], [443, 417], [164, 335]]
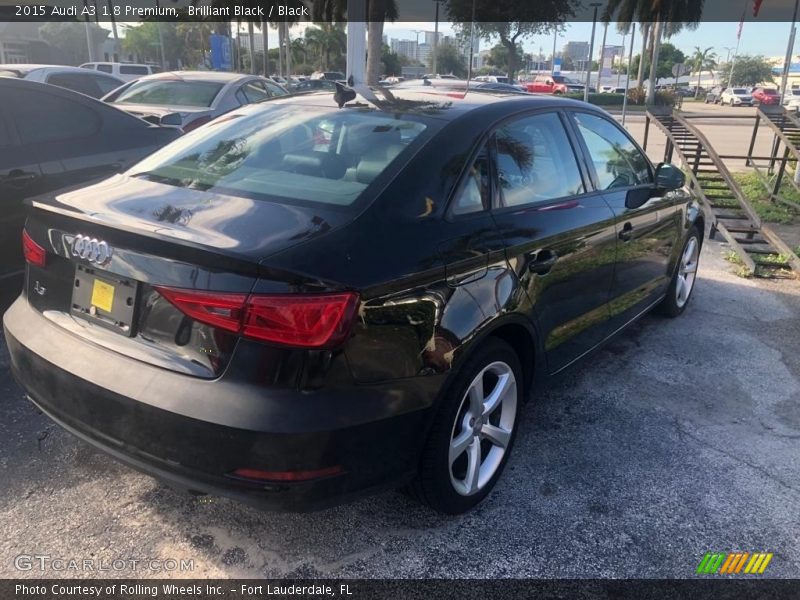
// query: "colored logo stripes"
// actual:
[[734, 563]]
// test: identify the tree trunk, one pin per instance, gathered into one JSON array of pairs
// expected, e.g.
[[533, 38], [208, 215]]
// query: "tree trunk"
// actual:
[[376, 15], [651, 89], [252, 46], [280, 49], [645, 38], [288, 52], [512, 58], [699, 77]]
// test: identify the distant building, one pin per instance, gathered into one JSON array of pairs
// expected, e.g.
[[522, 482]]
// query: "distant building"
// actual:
[[407, 48], [424, 53], [244, 41], [577, 52], [20, 43], [430, 36]]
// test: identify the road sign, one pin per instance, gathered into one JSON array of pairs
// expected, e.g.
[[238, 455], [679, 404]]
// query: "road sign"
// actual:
[[679, 69]]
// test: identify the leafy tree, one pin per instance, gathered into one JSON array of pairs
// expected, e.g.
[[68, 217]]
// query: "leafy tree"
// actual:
[[498, 57], [510, 20], [69, 38], [748, 70], [667, 17], [450, 60], [392, 65], [329, 42], [668, 56], [702, 60]]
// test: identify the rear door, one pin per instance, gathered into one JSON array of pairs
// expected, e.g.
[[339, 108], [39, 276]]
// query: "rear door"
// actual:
[[559, 234], [647, 229]]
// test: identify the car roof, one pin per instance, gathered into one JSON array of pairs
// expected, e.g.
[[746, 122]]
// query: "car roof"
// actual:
[[25, 69], [217, 76], [440, 103]]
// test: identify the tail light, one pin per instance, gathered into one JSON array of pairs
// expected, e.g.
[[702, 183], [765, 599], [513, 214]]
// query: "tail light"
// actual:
[[196, 123], [301, 321], [258, 475], [34, 253]]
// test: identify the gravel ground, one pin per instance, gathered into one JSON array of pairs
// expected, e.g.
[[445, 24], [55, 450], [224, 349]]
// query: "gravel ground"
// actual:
[[680, 437]]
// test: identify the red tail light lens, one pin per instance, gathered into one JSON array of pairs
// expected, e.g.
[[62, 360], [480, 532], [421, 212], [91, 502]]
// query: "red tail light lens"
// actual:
[[287, 475], [218, 310], [34, 253], [303, 321]]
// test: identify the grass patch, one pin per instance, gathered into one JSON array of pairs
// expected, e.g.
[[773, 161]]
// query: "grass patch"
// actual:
[[757, 195]]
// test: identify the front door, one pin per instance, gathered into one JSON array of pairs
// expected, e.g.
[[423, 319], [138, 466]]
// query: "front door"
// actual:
[[648, 223], [560, 237]]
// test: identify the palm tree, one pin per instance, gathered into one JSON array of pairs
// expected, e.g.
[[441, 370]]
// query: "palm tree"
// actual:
[[703, 60], [326, 39], [377, 12], [667, 17]]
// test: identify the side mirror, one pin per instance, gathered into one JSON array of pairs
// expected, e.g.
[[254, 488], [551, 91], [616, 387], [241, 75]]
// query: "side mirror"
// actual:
[[171, 120], [669, 177]]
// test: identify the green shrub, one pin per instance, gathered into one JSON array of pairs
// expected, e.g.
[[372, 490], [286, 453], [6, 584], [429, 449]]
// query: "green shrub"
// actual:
[[636, 96]]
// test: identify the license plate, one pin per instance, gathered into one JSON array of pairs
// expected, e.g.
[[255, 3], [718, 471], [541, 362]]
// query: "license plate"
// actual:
[[104, 298]]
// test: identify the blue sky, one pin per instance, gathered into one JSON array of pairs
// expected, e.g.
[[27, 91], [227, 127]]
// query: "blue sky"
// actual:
[[768, 39]]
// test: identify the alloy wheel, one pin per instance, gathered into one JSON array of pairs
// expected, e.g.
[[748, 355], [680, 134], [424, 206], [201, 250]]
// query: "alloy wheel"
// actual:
[[687, 272], [482, 429]]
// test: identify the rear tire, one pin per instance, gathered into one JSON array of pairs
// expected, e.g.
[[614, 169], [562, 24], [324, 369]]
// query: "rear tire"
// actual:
[[682, 285], [473, 431]]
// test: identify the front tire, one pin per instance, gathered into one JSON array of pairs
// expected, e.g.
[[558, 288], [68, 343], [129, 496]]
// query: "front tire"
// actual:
[[473, 432], [680, 288]]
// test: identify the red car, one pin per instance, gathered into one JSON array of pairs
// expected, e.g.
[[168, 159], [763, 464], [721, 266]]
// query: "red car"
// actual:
[[767, 96], [554, 84]]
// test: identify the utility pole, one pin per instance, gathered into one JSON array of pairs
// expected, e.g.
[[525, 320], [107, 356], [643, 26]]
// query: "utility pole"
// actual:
[[591, 51], [628, 74], [555, 43], [435, 38], [601, 62]]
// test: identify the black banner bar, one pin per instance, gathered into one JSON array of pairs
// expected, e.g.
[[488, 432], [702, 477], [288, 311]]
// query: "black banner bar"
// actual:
[[405, 589]]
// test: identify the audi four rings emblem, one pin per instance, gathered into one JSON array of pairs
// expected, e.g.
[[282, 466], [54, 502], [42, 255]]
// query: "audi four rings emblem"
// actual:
[[91, 249]]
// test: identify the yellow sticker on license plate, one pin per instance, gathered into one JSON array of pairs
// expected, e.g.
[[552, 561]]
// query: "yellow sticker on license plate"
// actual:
[[102, 295]]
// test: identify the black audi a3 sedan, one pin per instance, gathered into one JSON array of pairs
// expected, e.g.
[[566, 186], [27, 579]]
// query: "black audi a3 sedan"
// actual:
[[298, 304]]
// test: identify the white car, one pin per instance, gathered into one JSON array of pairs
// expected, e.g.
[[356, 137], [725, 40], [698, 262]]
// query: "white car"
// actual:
[[736, 97], [124, 71], [95, 85]]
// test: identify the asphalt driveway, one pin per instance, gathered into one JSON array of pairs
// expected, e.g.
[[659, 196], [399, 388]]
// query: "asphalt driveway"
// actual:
[[680, 437]]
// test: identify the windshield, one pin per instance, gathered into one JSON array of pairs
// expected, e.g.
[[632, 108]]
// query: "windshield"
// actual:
[[770, 92], [295, 153], [171, 92], [740, 92]]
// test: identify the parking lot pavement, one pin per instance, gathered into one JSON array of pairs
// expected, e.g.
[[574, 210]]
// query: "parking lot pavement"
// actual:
[[680, 437]]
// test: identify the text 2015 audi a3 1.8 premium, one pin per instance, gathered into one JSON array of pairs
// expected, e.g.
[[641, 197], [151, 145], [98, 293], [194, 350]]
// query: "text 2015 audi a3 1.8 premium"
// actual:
[[298, 303]]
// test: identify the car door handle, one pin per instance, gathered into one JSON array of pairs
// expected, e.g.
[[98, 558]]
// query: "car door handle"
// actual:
[[627, 232], [542, 261], [17, 178]]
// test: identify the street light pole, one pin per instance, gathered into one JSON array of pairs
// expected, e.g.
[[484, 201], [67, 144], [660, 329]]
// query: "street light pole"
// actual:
[[591, 52], [435, 38], [602, 57], [555, 43], [628, 74], [789, 52]]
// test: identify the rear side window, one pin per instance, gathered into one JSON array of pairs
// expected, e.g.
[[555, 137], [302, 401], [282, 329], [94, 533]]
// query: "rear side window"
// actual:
[[254, 92], [133, 70], [42, 117], [287, 152], [84, 83], [171, 92], [617, 161], [474, 194], [535, 161], [107, 84], [105, 68]]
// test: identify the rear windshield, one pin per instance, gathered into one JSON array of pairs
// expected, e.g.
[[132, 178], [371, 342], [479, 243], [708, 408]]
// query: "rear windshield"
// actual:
[[171, 92], [770, 92], [284, 152]]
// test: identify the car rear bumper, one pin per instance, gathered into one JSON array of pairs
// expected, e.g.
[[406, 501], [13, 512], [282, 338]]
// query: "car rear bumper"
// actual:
[[194, 433]]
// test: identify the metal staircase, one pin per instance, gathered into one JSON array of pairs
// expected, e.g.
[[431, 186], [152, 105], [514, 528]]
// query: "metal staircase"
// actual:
[[786, 129], [759, 249]]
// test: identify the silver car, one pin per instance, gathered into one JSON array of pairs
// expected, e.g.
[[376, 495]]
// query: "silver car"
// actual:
[[197, 96], [79, 80]]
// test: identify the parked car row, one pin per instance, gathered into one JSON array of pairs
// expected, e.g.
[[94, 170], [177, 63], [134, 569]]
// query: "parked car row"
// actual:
[[743, 96]]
